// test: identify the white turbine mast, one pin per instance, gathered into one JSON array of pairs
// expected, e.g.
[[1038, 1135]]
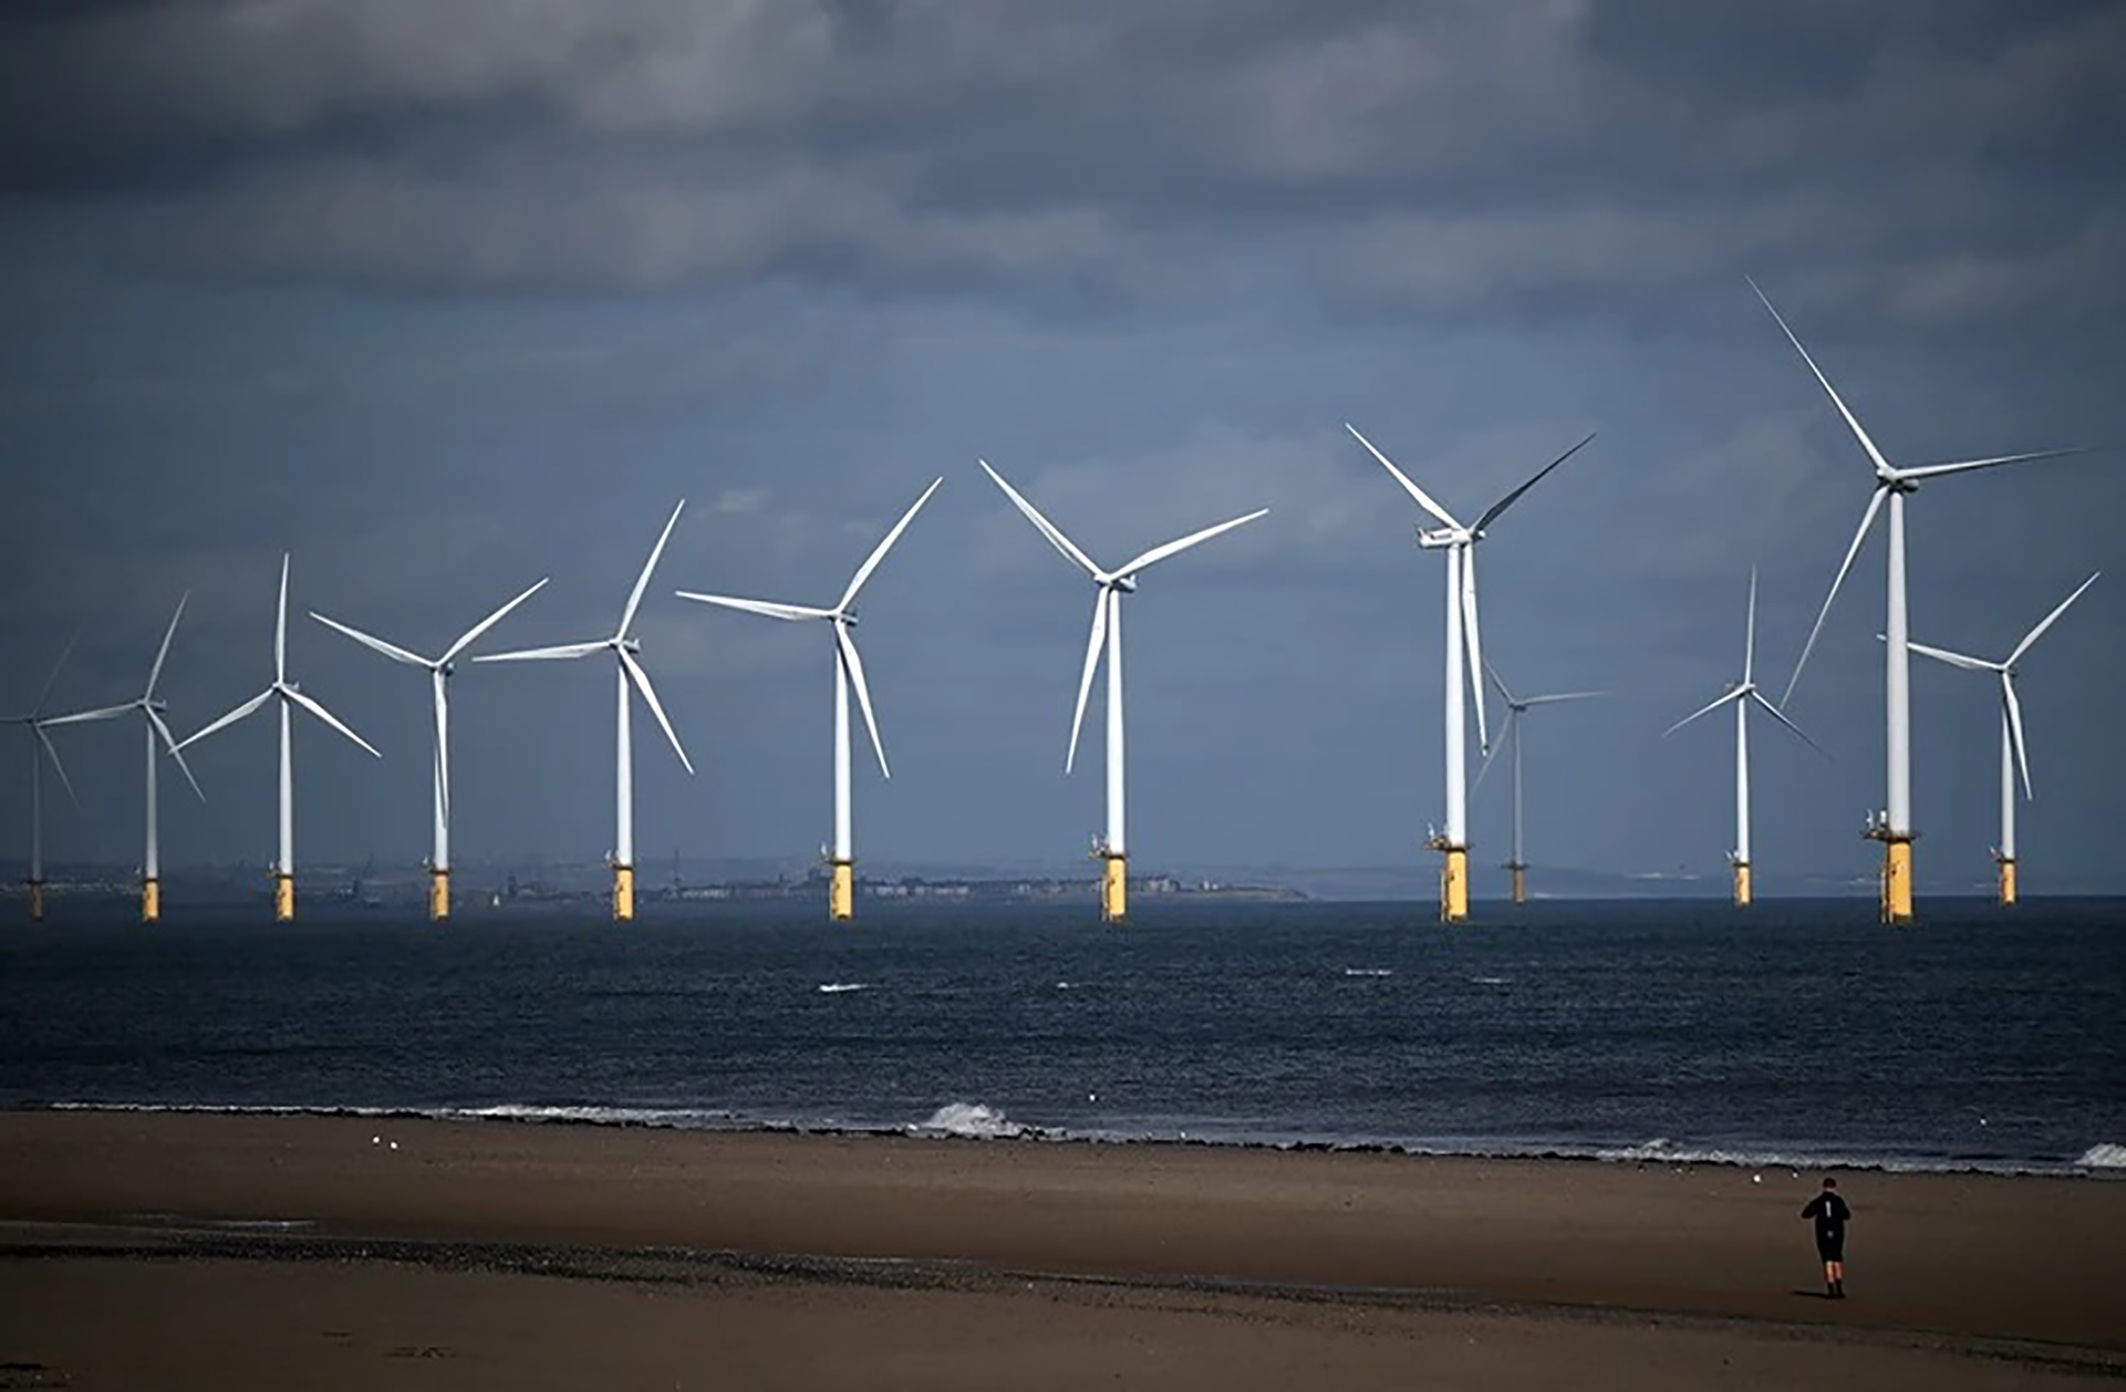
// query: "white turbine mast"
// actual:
[[151, 708], [628, 671], [1463, 636], [439, 671], [41, 748], [1106, 638], [848, 671], [1517, 708], [1896, 831], [2014, 753], [288, 696], [1742, 695]]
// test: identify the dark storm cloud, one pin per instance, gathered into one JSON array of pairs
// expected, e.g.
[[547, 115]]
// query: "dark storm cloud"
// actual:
[[1445, 156]]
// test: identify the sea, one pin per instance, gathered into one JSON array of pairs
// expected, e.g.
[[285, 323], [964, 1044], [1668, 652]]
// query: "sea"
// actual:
[[1800, 1033]]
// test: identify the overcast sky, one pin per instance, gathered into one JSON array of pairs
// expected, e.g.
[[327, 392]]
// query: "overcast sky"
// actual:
[[448, 297]]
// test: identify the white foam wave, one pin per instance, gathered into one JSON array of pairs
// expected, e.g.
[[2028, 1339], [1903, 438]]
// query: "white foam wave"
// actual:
[[1369, 971], [1489, 980], [968, 1119], [591, 1116], [835, 988], [2103, 1157]]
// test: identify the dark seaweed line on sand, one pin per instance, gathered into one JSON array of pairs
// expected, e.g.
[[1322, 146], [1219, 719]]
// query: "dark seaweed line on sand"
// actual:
[[685, 1266]]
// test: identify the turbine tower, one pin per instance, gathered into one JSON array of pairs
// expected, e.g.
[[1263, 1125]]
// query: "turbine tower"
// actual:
[[623, 646], [1109, 587], [151, 708], [1742, 694], [1459, 542], [2013, 751], [1516, 709], [439, 673], [848, 670], [41, 748], [287, 695], [1895, 828]]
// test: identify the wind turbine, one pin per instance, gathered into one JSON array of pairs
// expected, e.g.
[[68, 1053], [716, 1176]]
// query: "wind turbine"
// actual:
[[1109, 587], [151, 708], [848, 669], [1459, 542], [439, 673], [34, 723], [1894, 829], [1741, 695], [1516, 708], [623, 646], [2013, 751], [288, 696]]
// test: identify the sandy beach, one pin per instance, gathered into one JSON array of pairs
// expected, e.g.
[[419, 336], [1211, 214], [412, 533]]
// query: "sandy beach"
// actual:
[[214, 1251]]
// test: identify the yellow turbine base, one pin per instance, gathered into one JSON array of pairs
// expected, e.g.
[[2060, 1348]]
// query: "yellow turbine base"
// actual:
[[1743, 896], [438, 896], [1454, 885], [1897, 881], [150, 901], [2007, 891], [841, 891], [1114, 890], [1520, 885], [36, 901], [284, 898], [623, 894]]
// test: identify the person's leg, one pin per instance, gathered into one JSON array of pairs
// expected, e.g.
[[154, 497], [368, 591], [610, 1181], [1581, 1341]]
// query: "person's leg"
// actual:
[[1836, 1270]]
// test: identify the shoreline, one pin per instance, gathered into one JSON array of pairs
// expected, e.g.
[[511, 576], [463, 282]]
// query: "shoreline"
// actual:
[[2103, 1161]]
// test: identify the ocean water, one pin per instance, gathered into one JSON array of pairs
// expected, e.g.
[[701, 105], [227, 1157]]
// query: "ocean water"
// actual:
[[1801, 1033]]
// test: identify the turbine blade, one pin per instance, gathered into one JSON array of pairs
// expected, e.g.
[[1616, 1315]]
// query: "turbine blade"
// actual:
[[171, 745], [1473, 638], [328, 717], [642, 581], [280, 627], [53, 680], [1749, 635], [1047, 528], [472, 635], [85, 717], [1954, 659], [1780, 716], [1173, 548], [1707, 709], [155, 672], [790, 612], [1500, 682], [855, 665], [1867, 520], [2015, 727], [556, 654], [1424, 499], [863, 572], [1964, 466], [2050, 619], [1882, 466], [440, 685], [649, 696], [1513, 720], [1491, 513], [51, 751], [1085, 681], [1552, 700], [230, 719], [396, 654]]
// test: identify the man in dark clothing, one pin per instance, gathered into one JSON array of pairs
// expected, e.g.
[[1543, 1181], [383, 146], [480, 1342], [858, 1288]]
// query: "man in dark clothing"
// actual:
[[1830, 1214]]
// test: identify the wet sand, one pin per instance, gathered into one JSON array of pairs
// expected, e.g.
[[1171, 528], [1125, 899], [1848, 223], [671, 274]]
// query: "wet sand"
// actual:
[[214, 1251]]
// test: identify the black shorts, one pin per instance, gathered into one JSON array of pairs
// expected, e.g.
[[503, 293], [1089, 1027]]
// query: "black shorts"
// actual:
[[1831, 1246]]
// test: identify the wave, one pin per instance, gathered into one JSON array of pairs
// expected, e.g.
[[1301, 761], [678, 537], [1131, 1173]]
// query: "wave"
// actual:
[[835, 988], [978, 1120], [1489, 980], [968, 1119], [1369, 971]]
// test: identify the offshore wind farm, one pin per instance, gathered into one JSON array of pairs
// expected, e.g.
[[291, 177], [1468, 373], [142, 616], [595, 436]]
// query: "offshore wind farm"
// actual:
[[1646, 968]]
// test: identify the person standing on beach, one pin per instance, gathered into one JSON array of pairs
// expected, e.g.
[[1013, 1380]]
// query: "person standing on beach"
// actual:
[[1830, 1213]]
